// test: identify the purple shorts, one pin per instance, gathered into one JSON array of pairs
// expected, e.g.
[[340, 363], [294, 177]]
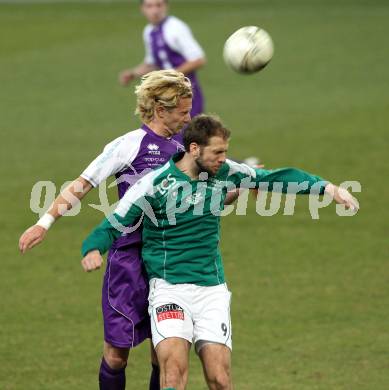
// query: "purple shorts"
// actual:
[[124, 298]]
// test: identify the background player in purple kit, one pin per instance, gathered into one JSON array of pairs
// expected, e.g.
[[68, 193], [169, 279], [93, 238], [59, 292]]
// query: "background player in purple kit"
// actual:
[[164, 102], [169, 43]]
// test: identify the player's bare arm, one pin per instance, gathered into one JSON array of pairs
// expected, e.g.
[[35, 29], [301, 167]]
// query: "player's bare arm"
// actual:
[[128, 75], [191, 66], [63, 203], [342, 196]]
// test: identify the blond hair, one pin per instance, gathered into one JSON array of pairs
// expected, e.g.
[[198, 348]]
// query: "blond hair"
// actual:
[[160, 87]]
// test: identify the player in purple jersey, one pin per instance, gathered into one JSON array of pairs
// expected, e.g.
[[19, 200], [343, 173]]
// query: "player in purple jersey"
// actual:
[[169, 43], [164, 102]]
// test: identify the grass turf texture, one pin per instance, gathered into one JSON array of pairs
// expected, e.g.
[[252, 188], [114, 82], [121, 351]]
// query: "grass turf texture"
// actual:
[[310, 304]]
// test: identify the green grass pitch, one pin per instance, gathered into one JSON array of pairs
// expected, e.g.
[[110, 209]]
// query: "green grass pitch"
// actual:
[[310, 297]]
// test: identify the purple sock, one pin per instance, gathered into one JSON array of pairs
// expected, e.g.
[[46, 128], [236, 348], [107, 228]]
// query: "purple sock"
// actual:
[[110, 379], [154, 378]]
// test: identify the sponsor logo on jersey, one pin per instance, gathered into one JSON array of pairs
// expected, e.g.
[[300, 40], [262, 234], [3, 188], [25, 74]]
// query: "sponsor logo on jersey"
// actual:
[[153, 149], [169, 311], [166, 184], [158, 160]]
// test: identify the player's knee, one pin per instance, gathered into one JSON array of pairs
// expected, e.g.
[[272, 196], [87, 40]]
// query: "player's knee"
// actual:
[[175, 373], [173, 378], [221, 380], [116, 358], [114, 361]]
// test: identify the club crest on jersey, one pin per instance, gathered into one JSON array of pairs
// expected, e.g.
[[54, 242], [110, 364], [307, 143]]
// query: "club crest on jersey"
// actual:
[[170, 311], [194, 199], [153, 149]]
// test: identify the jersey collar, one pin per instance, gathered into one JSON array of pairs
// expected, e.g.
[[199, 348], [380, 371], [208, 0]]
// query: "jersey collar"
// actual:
[[175, 158], [154, 134]]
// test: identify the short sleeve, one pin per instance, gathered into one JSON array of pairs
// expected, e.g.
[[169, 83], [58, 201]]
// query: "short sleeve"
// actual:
[[117, 155], [180, 38]]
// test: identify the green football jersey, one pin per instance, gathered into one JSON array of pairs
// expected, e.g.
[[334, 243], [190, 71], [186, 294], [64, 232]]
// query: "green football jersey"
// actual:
[[181, 217]]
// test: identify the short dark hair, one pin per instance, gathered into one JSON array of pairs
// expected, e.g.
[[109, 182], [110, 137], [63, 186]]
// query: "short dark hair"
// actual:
[[202, 128]]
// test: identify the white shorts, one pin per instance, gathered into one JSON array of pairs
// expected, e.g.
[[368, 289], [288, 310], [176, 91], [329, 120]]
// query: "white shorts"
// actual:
[[198, 314]]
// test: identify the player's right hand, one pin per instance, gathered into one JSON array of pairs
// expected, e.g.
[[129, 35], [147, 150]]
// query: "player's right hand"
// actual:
[[31, 237], [126, 76], [342, 196], [92, 261]]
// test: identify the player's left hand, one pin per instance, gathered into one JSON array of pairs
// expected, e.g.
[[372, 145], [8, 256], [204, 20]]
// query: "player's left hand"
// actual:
[[125, 77], [92, 261], [342, 196]]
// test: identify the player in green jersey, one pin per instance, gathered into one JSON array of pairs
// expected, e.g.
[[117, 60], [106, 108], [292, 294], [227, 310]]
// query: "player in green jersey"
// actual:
[[181, 204]]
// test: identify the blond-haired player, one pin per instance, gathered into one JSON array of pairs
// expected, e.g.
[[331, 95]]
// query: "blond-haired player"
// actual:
[[164, 102]]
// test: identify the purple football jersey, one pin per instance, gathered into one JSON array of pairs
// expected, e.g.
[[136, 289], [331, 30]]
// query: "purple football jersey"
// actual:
[[130, 157], [154, 151]]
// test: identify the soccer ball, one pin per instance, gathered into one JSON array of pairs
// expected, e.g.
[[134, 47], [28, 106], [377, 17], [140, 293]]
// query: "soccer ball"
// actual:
[[248, 49]]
